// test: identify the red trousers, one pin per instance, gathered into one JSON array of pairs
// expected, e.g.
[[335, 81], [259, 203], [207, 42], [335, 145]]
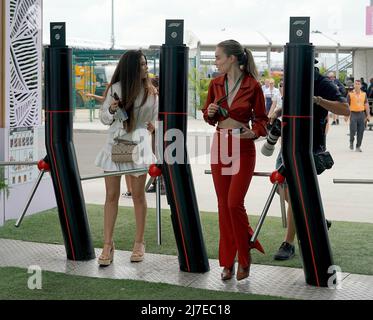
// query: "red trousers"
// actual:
[[232, 167]]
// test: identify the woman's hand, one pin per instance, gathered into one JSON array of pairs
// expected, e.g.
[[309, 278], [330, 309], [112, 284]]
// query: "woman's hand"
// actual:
[[150, 127], [247, 133], [212, 109], [274, 115], [114, 106]]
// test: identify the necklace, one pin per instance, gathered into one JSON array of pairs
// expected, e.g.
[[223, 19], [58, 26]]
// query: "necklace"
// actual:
[[234, 88], [221, 110]]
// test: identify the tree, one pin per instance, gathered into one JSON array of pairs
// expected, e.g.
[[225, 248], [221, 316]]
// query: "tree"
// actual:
[[200, 84]]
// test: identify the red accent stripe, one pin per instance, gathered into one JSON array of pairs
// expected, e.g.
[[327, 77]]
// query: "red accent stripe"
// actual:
[[297, 117], [174, 113], [304, 208], [59, 186], [177, 210]]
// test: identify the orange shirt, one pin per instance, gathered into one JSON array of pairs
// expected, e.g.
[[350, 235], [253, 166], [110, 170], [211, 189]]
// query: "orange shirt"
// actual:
[[248, 104], [357, 101]]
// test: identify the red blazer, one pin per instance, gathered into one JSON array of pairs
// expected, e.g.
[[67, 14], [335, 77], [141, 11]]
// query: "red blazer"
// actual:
[[248, 104]]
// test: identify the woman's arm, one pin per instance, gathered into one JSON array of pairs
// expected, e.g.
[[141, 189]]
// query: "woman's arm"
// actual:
[[210, 99], [260, 121], [100, 99], [106, 113]]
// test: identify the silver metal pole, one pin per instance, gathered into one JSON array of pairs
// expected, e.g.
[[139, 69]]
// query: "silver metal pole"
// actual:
[[17, 163], [353, 181], [264, 213], [113, 174], [112, 26], [151, 180], [158, 210], [282, 204], [337, 62], [256, 174], [269, 59], [19, 221]]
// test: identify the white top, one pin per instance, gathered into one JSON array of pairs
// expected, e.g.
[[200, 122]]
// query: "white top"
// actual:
[[274, 94], [146, 113]]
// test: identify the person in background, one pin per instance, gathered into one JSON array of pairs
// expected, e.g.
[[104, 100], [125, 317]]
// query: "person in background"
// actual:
[[364, 85], [360, 115], [271, 95], [327, 98], [276, 97], [265, 85], [370, 89], [342, 90]]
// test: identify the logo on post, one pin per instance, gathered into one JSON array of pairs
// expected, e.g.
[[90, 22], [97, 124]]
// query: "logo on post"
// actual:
[[297, 22], [174, 25]]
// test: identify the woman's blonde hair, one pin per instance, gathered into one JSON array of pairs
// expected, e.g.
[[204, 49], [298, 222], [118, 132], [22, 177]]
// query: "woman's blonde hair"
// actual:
[[244, 56]]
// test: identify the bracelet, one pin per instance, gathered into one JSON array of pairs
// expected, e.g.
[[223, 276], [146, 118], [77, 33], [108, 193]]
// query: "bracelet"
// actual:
[[110, 111]]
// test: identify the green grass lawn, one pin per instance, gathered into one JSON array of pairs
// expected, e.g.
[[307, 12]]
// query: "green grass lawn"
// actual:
[[58, 286], [351, 242]]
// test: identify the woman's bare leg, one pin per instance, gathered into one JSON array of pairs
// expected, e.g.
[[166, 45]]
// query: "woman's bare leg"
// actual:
[[140, 205], [112, 185]]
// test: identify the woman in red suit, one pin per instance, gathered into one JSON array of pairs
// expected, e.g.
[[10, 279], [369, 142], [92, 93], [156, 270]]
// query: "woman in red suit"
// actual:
[[235, 102]]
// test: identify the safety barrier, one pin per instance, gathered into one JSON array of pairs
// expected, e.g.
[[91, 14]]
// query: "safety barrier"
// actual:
[[44, 168]]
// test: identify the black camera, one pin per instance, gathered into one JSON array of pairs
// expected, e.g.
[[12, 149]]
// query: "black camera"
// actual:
[[123, 116], [323, 161], [274, 133]]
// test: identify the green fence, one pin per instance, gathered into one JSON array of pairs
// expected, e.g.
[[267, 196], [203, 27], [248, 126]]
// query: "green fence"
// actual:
[[93, 69]]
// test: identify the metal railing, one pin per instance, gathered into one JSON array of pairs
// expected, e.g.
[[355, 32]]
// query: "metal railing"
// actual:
[[113, 174], [17, 163], [91, 177], [276, 188], [353, 181]]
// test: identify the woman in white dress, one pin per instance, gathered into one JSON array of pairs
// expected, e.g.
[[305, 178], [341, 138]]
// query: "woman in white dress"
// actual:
[[139, 102]]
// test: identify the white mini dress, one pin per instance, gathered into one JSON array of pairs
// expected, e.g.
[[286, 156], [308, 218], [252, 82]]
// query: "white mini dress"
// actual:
[[146, 113]]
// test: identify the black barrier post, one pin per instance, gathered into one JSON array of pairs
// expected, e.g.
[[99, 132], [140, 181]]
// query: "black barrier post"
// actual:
[[297, 133], [60, 147], [173, 113]]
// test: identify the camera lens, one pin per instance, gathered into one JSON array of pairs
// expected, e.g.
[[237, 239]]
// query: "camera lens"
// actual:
[[272, 138]]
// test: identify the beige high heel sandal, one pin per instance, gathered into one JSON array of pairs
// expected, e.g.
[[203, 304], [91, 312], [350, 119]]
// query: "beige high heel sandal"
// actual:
[[138, 252], [106, 259]]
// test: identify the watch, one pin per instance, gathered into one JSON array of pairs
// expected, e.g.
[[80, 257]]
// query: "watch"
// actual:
[[110, 111]]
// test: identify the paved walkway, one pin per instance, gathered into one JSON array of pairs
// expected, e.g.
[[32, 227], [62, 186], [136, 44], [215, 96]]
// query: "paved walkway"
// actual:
[[264, 280], [341, 202]]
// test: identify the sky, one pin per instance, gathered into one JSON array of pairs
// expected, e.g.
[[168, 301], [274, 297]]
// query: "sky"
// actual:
[[142, 23]]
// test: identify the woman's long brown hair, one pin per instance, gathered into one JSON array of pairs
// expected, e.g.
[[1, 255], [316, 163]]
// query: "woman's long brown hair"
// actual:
[[128, 73]]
